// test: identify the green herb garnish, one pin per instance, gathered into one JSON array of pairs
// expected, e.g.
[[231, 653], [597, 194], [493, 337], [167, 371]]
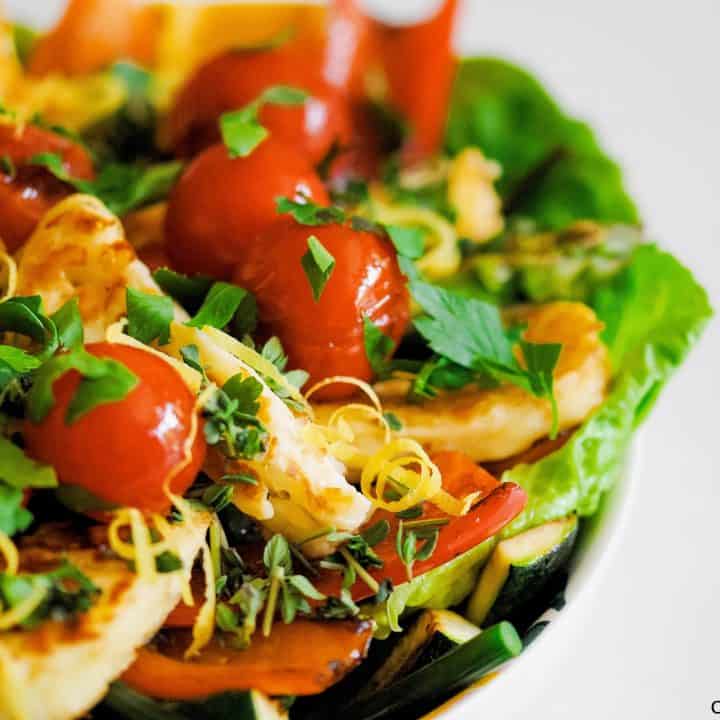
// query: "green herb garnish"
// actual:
[[241, 129], [318, 265]]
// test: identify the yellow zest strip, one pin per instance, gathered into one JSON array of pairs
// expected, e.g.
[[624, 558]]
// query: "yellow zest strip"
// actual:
[[22, 610], [443, 258], [115, 334], [204, 626], [347, 380], [166, 530], [12, 274], [10, 553], [390, 463], [452, 505], [257, 362], [144, 555]]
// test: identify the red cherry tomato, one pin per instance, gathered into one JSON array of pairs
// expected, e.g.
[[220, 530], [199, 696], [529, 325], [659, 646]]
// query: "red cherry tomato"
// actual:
[[31, 190], [123, 452], [326, 337], [221, 203], [237, 77]]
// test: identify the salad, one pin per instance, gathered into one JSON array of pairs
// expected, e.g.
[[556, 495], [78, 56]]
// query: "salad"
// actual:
[[321, 350]]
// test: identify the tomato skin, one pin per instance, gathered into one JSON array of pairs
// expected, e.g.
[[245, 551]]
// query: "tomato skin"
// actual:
[[326, 337], [123, 452], [221, 203], [28, 194], [235, 78]]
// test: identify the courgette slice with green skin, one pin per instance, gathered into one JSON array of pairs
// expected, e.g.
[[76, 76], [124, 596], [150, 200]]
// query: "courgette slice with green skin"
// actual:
[[420, 691], [519, 568], [434, 633], [123, 703]]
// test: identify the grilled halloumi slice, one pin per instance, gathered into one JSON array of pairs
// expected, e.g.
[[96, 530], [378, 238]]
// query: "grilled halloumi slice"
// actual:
[[495, 424], [79, 249], [301, 488], [59, 670]]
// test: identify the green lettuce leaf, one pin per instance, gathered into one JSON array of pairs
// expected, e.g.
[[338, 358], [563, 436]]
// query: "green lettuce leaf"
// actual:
[[654, 312], [443, 587], [554, 171]]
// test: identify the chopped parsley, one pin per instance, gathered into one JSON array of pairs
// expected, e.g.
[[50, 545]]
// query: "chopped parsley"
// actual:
[[149, 316], [241, 129], [122, 187], [318, 265], [408, 241], [103, 381], [308, 213], [68, 592]]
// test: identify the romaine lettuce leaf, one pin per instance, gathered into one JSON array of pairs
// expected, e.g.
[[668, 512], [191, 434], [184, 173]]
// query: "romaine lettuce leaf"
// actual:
[[437, 589], [654, 311], [554, 171]]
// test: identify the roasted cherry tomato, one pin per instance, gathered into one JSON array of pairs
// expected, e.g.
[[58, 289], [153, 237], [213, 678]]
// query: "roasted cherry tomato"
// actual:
[[123, 452], [28, 191], [220, 204], [237, 77], [325, 337]]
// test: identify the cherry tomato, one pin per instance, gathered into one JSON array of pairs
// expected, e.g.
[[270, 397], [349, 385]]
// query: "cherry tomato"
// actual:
[[237, 77], [28, 192], [325, 337], [123, 452], [221, 203]]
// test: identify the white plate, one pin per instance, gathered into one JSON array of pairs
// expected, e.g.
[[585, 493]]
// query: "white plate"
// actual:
[[600, 538]]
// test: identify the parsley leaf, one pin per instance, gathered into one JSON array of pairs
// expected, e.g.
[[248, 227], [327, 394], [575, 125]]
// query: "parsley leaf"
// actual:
[[24, 315], [19, 471], [68, 322], [219, 306], [318, 265], [190, 292], [308, 213], [241, 129], [470, 333], [149, 316], [104, 381], [378, 347], [13, 516], [408, 241], [122, 187], [68, 592]]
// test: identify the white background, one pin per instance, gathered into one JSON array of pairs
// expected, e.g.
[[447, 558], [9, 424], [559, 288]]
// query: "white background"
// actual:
[[644, 642]]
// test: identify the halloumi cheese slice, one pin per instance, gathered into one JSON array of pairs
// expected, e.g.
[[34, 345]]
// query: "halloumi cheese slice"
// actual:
[[60, 670], [496, 424]]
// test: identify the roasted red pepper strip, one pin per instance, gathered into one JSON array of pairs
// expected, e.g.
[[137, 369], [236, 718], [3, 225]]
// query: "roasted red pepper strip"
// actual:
[[420, 66], [299, 659], [461, 534]]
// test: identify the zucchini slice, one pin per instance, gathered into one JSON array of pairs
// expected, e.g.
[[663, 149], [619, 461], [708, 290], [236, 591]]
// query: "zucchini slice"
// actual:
[[519, 569], [434, 633]]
